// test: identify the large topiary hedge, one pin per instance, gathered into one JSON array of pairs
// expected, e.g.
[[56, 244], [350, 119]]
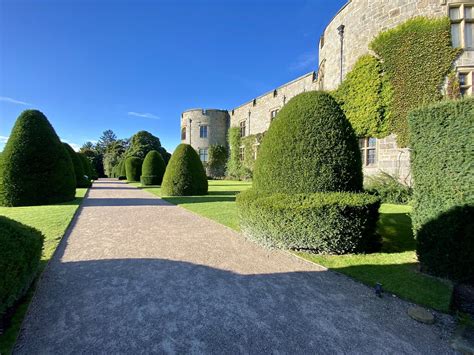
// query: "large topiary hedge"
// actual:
[[133, 169], [416, 56], [20, 254], [86, 165], [37, 169], [81, 181], [185, 175], [311, 147], [442, 161], [365, 96], [153, 169], [330, 223]]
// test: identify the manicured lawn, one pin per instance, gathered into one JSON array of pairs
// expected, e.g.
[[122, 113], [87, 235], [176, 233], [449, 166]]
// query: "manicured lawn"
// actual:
[[53, 221], [395, 267]]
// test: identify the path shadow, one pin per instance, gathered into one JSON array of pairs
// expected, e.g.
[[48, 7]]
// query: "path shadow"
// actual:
[[396, 229], [165, 306], [178, 200], [120, 202]]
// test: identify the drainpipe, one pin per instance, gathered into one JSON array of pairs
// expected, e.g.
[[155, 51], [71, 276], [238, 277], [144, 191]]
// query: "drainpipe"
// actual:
[[340, 29], [190, 130]]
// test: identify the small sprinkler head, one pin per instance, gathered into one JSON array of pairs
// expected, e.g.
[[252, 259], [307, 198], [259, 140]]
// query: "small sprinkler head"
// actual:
[[378, 289]]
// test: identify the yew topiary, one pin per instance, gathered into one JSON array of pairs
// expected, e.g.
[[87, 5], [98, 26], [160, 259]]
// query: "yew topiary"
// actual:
[[36, 168], [133, 167], [311, 147], [185, 174], [86, 165], [153, 169], [81, 181]]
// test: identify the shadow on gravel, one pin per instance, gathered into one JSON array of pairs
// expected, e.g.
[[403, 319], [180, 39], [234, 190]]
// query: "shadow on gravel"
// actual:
[[157, 305], [110, 202]]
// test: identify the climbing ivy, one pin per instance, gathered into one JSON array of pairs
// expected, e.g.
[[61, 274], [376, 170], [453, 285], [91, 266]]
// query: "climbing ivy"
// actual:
[[217, 160], [234, 165], [416, 56], [251, 144], [365, 97]]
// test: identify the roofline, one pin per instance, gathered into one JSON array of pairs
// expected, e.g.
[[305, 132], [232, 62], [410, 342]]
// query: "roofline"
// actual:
[[203, 109], [271, 91]]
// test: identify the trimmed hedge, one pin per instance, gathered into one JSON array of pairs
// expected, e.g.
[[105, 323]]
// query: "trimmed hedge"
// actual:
[[20, 254], [328, 223], [153, 169], [87, 166], [416, 79], [365, 96], [311, 147], [36, 167], [185, 175], [81, 181], [442, 159], [388, 188], [133, 168]]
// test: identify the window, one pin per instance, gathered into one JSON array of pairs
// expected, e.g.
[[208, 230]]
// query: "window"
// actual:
[[368, 151], [462, 26], [273, 114], [203, 131], [241, 153], [183, 133], [203, 155], [466, 79], [242, 128]]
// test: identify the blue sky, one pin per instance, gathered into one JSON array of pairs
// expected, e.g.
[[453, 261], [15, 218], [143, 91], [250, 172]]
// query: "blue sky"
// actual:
[[136, 65]]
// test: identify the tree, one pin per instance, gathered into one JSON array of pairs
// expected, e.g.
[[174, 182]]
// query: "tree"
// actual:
[[108, 137], [113, 155], [81, 181], [143, 142]]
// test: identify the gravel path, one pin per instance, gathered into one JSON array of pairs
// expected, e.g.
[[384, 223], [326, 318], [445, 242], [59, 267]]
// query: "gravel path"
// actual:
[[138, 275]]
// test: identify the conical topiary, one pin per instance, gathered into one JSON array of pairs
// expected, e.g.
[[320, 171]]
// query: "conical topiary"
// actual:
[[310, 147], [81, 181], [86, 165], [36, 168], [185, 174], [153, 169], [133, 168]]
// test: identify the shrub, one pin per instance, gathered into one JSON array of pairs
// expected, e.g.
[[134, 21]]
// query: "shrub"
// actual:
[[365, 96], [37, 169], [388, 188], [416, 79], [441, 137], [153, 169], [81, 181], [133, 169], [185, 175], [330, 223], [311, 147], [20, 255], [86, 165]]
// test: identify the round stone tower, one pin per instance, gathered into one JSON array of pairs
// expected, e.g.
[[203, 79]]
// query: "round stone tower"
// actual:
[[202, 128]]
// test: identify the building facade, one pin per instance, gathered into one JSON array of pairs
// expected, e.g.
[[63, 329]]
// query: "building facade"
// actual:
[[344, 40]]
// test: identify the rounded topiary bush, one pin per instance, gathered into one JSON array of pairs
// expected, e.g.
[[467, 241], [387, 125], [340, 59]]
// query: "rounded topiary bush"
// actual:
[[36, 167], [133, 168], [20, 254], [185, 174], [322, 222], [153, 169], [310, 147], [81, 181]]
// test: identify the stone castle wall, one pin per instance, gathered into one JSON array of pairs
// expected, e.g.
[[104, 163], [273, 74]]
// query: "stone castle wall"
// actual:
[[217, 122]]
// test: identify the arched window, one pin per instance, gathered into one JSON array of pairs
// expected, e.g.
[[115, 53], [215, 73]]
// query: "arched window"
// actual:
[[183, 133]]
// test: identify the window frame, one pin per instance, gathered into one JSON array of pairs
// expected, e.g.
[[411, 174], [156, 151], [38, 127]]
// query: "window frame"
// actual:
[[462, 21], [203, 129], [467, 87], [243, 128], [276, 110], [241, 153], [204, 152], [365, 148]]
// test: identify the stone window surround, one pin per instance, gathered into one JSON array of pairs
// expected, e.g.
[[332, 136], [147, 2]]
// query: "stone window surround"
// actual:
[[241, 153], [365, 151], [203, 154], [462, 21], [272, 110], [243, 128], [467, 86], [203, 131]]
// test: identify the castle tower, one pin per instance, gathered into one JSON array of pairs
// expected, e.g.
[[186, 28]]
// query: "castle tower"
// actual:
[[202, 128]]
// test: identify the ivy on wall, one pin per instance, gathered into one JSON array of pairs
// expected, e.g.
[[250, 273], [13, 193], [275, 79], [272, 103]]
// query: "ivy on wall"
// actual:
[[234, 165], [365, 96], [237, 168], [217, 160], [250, 144], [416, 56]]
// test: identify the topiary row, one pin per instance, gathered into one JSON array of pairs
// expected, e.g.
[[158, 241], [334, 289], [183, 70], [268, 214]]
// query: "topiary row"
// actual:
[[81, 179], [442, 160], [133, 169], [153, 169], [20, 254], [330, 223]]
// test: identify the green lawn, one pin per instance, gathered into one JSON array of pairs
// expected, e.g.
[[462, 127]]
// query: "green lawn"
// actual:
[[395, 267], [53, 221]]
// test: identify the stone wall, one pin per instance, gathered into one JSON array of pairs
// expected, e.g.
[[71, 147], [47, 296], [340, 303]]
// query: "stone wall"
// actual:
[[217, 122]]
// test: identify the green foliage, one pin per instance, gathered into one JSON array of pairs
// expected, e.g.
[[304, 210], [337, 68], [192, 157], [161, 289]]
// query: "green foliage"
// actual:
[[234, 166], [442, 159], [453, 87], [81, 181], [328, 223], [388, 188], [36, 168], [96, 159], [153, 169], [311, 147], [86, 166], [416, 57], [185, 175], [113, 155], [20, 255], [133, 168], [217, 160], [143, 142], [365, 97]]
